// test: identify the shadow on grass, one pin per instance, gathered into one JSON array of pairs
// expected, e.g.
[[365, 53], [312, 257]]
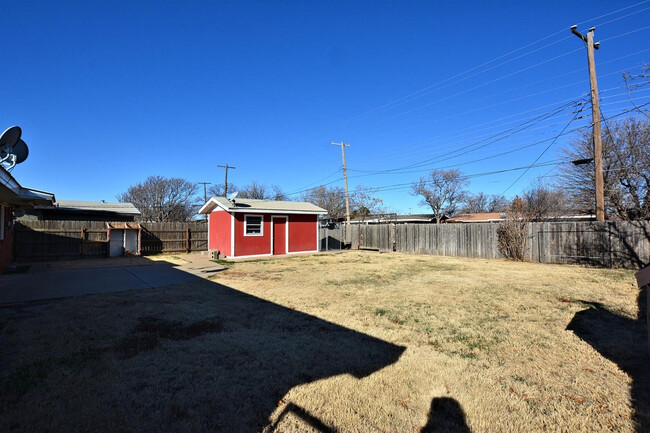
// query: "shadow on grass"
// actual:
[[198, 356], [305, 416], [446, 415], [623, 341]]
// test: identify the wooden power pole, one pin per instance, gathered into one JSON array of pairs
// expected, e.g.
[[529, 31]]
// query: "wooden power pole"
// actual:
[[205, 194], [345, 178], [225, 183], [595, 119]]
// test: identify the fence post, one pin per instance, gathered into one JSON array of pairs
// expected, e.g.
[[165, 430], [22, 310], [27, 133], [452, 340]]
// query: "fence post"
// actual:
[[189, 242], [81, 241]]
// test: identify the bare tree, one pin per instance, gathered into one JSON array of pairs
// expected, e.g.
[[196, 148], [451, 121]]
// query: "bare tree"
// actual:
[[278, 194], [331, 199], [364, 202], [259, 191], [635, 81], [218, 189], [442, 190], [253, 190], [543, 201], [161, 199], [512, 233], [481, 202], [537, 203], [626, 170]]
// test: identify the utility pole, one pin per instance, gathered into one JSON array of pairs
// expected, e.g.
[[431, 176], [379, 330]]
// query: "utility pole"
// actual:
[[205, 194], [595, 119], [345, 177], [225, 183]]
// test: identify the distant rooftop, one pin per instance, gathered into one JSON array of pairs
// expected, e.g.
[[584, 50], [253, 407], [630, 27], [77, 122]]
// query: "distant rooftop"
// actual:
[[96, 206], [483, 217]]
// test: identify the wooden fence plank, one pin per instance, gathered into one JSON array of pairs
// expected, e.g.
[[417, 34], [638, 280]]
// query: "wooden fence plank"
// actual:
[[608, 244]]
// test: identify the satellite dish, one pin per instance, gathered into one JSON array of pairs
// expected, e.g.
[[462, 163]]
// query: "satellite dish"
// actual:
[[21, 151], [11, 136], [233, 196], [13, 150]]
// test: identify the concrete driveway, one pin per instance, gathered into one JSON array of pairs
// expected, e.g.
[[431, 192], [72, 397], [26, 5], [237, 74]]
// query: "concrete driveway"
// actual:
[[60, 283]]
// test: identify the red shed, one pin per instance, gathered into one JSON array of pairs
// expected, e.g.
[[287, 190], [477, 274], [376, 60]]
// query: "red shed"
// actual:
[[245, 227]]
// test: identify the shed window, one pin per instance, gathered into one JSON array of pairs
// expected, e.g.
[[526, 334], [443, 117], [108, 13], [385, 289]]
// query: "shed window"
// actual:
[[253, 225]]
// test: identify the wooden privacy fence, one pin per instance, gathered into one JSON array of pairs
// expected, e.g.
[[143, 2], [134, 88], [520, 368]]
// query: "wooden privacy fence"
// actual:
[[608, 244], [42, 240], [331, 237]]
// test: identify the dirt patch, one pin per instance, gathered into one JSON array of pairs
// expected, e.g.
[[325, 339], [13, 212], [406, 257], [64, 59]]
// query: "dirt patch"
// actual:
[[147, 334]]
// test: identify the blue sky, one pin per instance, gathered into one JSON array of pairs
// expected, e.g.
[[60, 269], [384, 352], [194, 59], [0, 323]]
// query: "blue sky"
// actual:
[[108, 93]]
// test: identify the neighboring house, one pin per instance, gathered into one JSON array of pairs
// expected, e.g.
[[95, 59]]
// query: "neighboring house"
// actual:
[[417, 219], [244, 227], [484, 217], [76, 210], [495, 217], [14, 197], [395, 219]]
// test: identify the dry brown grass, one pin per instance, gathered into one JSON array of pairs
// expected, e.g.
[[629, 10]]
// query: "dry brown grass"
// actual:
[[341, 342]]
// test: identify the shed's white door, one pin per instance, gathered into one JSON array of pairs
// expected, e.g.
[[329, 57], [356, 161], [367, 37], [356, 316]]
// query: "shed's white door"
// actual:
[[116, 243], [131, 241]]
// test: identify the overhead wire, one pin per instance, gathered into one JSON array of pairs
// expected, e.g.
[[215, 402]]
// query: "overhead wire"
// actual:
[[536, 42], [565, 132], [510, 53], [545, 150], [446, 137]]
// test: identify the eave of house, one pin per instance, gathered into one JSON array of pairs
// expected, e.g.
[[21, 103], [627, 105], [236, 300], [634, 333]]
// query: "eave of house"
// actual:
[[12, 193]]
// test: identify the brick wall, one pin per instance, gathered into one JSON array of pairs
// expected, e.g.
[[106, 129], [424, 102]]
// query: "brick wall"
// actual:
[[6, 244]]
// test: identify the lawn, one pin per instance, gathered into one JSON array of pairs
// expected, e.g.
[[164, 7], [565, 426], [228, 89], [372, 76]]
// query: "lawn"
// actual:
[[349, 342]]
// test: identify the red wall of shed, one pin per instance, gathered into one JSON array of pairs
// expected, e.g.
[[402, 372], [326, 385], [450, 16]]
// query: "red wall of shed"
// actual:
[[252, 245], [302, 233], [219, 239]]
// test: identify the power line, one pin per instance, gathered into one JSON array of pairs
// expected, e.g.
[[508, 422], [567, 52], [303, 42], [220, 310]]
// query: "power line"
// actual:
[[316, 182], [536, 42], [470, 89], [475, 146], [447, 137], [482, 159], [488, 82], [499, 154], [408, 185], [492, 96]]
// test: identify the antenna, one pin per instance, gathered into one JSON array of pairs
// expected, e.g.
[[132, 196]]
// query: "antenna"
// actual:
[[13, 150]]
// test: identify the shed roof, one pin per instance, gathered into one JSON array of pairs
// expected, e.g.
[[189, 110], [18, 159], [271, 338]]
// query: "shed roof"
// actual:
[[271, 206]]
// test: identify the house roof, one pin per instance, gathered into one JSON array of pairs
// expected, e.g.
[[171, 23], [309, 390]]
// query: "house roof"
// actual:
[[269, 206], [424, 217], [392, 218], [484, 217], [14, 193], [95, 206]]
